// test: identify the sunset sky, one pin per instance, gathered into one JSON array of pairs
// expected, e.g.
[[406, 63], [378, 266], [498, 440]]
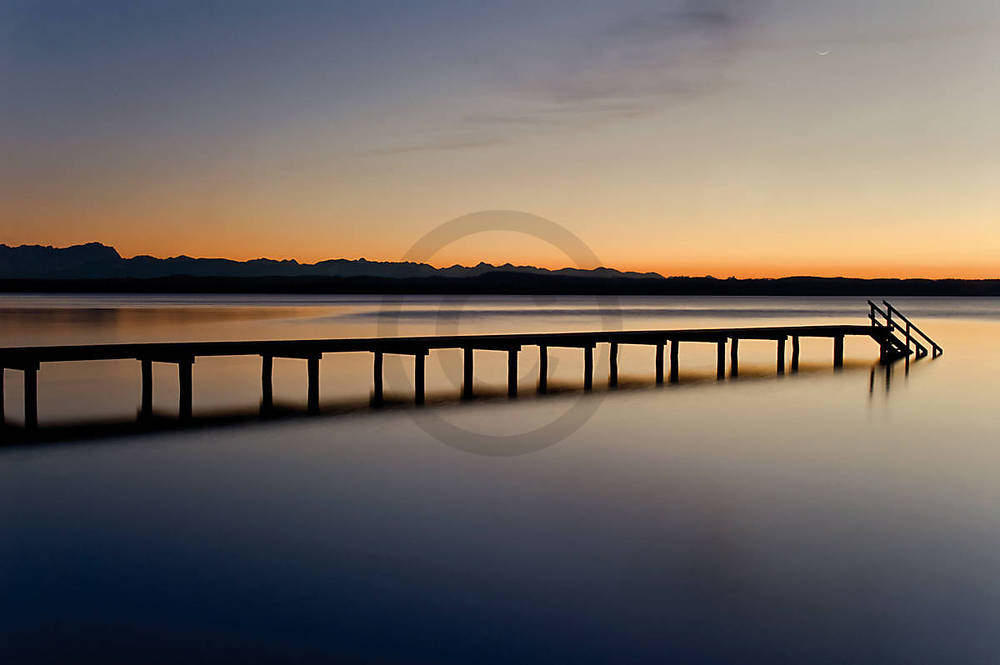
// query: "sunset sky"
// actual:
[[753, 138]]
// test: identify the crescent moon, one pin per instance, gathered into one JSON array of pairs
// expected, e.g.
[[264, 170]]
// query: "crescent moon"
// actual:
[[823, 52]]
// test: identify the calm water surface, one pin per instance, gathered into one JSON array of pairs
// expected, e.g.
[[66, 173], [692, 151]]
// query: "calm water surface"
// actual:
[[823, 517]]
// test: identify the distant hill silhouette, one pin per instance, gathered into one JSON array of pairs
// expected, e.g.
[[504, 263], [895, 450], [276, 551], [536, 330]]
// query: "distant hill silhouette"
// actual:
[[97, 261], [94, 268]]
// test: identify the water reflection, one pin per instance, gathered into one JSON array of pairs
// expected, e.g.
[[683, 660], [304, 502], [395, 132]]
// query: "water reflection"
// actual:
[[804, 518]]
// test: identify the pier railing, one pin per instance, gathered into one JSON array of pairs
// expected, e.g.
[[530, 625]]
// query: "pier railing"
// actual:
[[895, 321]]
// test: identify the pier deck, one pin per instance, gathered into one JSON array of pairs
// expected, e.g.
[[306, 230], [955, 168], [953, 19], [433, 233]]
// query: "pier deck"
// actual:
[[18, 357]]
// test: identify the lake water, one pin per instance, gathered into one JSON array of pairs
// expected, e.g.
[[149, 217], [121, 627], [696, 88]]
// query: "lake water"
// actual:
[[817, 517]]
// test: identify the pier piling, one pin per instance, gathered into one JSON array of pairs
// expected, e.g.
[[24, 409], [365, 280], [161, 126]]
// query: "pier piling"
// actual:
[[185, 381], [543, 369], [313, 400], [659, 364], [838, 351], [734, 357], [588, 368], [795, 353], [675, 360], [418, 377], [266, 382], [613, 370], [31, 397], [467, 388], [512, 373], [781, 356], [146, 408], [720, 360], [377, 396]]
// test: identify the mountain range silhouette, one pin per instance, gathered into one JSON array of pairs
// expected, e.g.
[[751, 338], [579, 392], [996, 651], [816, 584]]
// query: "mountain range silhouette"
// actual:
[[96, 268], [98, 261]]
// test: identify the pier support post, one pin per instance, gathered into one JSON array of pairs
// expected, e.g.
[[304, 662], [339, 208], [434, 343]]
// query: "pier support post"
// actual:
[[795, 353], [377, 396], [543, 369], [146, 408], [781, 356], [734, 357], [838, 351], [266, 384], [720, 360], [588, 368], [613, 371], [184, 379], [31, 397], [885, 353], [3, 418], [313, 400], [467, 390], [512, 373], [659, 364], [418, 377], [675, 349]]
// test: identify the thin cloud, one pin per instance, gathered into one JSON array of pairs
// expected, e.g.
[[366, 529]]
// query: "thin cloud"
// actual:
[[633, 66], [676, 50]]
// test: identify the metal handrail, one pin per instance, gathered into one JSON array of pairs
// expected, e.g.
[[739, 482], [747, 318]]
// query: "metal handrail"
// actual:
[[891, 324], [876, 309], [910, 325]]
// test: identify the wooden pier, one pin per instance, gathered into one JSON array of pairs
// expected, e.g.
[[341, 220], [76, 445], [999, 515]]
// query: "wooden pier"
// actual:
[[883, 326]]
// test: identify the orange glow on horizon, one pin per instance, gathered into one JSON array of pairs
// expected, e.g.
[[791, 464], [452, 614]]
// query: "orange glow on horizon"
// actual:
[[545, 257], [691, 252]]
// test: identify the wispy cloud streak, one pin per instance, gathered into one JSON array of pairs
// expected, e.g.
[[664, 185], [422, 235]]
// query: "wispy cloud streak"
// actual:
[[635, 64]]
